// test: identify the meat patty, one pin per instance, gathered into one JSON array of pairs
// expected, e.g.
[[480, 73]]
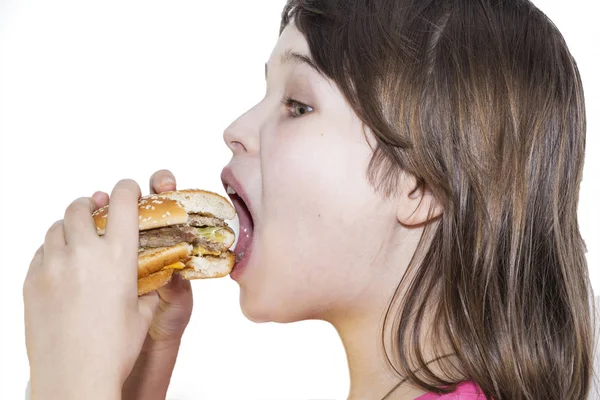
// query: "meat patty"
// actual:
[[168, 236], [204, 220], [175, 234]]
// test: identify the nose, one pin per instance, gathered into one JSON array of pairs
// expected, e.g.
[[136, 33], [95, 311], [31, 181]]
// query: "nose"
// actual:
[[242, 136]]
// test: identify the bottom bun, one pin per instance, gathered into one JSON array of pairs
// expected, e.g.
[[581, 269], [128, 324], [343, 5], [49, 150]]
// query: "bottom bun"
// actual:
[[208, 266], [154, 281]]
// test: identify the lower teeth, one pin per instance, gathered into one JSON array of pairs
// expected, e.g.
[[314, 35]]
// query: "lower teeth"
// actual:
[[239, 256]]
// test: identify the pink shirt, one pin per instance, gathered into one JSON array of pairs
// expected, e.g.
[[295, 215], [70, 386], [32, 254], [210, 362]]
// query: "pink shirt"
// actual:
[[467, 390]]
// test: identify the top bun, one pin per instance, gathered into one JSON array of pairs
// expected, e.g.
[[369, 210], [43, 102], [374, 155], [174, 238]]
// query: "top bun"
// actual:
[[172, 208]]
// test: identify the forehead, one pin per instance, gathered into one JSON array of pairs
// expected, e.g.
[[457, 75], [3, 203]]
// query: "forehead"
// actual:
[[290, 39]]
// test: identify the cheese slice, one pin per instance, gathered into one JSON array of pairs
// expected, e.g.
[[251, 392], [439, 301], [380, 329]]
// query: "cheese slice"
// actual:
[[177, 265]]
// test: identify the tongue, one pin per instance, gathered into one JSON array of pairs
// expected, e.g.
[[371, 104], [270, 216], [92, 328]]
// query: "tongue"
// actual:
[[246, 226]]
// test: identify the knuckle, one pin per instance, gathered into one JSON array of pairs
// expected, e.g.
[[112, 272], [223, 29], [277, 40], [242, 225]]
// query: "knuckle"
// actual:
[[127, 183], [78, 253], [46, 277], [33, 284], [83, 254], [78, 263], [55, 227], [79, 204], [37, 255], [29, 283], [126, 187]]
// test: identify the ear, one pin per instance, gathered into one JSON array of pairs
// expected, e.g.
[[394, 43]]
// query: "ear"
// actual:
[[415, 202]]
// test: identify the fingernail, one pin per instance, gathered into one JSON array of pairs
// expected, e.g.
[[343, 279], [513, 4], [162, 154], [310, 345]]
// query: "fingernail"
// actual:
[[96, 196], [168, 181]]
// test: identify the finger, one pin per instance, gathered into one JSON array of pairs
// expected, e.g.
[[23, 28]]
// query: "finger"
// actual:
[[148, 305], [122, 221], [100, 199], [162, 181], [39, 252], [37, 259], [79, 224], [36, 262], [55, 236], [178, 291]]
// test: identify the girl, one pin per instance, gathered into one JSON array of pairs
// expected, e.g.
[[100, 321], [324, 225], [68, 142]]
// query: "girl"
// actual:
[[412, 177]]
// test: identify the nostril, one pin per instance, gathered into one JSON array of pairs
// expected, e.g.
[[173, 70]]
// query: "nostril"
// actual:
[[237, 146]]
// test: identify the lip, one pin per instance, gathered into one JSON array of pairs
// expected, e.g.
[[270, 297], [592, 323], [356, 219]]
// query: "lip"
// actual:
[[228, 178], [240, 266], [246, 242]]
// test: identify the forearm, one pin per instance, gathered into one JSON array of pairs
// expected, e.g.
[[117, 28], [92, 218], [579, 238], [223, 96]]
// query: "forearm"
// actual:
[[73, 387], [149, 379]]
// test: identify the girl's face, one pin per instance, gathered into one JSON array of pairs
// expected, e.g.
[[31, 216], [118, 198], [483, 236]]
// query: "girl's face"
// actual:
[[320, 231]]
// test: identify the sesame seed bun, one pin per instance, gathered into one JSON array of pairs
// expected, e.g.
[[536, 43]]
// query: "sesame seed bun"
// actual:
[[172, 208]]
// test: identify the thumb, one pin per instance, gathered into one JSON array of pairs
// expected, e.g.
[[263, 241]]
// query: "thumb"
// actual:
[[147, 305]]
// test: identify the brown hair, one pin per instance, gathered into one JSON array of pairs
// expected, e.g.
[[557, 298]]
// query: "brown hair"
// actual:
[[482, 102]]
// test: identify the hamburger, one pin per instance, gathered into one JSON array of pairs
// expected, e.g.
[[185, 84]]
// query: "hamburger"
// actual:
[[182, 231]]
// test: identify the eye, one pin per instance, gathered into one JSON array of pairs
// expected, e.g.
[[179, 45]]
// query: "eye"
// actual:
[[295, 108]]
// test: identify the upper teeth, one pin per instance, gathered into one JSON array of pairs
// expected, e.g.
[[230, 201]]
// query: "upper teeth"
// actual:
[[230, 190]]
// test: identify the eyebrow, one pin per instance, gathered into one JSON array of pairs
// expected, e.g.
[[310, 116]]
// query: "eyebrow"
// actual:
[[295, 58]]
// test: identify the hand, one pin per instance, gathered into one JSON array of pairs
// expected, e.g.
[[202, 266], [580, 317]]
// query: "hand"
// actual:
[[175, 298], [84, 323], [152, 372]]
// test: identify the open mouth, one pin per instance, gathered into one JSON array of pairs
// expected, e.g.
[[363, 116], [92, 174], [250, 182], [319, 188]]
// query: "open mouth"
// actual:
[[246, 224]]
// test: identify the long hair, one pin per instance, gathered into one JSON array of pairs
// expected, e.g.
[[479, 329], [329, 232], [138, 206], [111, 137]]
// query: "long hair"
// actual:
[[482, 102]]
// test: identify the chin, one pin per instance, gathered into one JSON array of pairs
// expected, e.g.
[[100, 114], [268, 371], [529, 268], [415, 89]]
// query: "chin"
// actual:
[[268, 309], [252, 313]]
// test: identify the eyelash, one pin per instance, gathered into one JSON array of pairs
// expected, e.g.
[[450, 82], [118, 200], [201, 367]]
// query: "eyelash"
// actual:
[[289, 102]]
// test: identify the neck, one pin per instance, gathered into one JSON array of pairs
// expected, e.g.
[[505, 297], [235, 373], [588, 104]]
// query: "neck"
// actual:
[[370, 375], [360, 326]]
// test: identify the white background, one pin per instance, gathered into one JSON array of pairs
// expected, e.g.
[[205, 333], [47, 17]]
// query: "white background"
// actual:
[[92, 92]]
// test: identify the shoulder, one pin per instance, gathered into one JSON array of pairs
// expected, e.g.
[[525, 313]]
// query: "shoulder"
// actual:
[[467, 390]]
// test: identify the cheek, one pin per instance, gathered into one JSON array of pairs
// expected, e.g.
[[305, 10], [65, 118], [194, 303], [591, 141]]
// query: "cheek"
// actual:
[[313, 191], [315, 195]]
